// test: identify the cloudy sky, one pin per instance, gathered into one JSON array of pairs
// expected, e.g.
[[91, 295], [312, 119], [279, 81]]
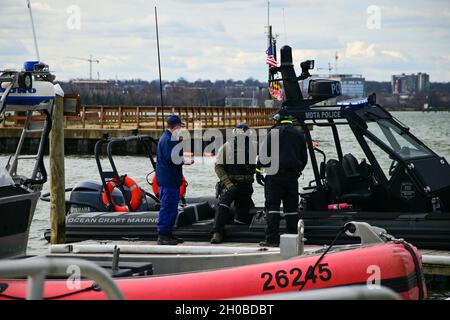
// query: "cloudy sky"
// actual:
[[225, 39]]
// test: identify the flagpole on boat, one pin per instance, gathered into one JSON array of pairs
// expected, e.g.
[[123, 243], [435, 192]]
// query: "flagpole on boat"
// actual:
[[159, 67]]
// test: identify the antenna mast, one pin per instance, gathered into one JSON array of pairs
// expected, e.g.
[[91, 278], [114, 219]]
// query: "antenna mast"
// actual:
[[159, 67], [269, 41], [284, 25], [269, 27], [34, 31]]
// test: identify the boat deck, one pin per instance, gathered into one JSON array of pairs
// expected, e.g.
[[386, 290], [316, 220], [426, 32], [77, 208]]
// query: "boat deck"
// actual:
[[151, 247], [436, 262], [196, 255], [185, 257]]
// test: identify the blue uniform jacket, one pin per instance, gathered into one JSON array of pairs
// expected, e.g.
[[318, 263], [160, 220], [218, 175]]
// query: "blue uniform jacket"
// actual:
[[168, 174]]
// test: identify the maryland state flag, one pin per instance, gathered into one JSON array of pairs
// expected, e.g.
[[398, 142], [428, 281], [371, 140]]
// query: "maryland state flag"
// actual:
[[275, 90], [274, 87]]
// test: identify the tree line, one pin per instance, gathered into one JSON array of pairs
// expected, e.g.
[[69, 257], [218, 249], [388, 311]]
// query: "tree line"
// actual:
[[175, 93], [214, 93]]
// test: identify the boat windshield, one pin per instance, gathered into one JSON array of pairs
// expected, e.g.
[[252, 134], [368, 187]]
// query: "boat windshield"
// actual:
[[397, 139]]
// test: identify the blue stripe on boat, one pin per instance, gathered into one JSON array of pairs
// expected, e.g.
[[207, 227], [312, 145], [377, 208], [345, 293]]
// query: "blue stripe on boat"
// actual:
[[27, 100]]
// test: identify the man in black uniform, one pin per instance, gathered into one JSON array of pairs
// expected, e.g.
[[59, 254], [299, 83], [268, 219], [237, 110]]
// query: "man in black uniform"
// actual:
[[282, 185], [235, 168]]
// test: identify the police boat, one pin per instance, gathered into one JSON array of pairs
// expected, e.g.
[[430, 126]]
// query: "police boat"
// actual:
[[411, 200], [32, 92]]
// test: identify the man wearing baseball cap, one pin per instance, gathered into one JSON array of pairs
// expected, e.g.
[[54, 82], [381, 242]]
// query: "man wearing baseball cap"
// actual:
[[169, 176]]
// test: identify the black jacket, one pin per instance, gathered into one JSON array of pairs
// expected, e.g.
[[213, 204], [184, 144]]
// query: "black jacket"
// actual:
[[236, 161], [293, 151]]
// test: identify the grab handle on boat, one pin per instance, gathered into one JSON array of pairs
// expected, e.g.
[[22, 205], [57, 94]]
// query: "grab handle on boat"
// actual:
[[115, 260], [301, 237], [293, 245], [368, 234], [37, 268]]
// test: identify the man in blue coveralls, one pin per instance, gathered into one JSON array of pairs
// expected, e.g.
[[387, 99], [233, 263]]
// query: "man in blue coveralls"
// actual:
[[169, 175]]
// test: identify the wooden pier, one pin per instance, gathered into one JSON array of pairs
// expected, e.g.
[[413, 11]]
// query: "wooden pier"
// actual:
[[149, 117], [84, 128]]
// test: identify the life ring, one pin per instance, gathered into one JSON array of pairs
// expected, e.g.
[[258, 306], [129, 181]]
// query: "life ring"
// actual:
[[136, 195], [183, 187]]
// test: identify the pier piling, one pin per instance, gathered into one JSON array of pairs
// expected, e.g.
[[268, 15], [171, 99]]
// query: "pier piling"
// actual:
[[57, 177]]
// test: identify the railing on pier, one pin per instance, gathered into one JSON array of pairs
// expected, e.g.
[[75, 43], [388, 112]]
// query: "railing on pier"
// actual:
[[148, 117]]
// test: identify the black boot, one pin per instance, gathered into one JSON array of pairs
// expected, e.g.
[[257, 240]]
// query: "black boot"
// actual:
[[272, 230], [167, 240], [271, 244], [217, 238], [179, 240]]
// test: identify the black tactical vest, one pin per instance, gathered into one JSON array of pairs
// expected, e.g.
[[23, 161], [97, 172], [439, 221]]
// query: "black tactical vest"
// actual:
[[238, 167]]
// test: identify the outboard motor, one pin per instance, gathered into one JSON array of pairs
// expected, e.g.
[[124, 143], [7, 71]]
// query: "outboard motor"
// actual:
[[87, 197]]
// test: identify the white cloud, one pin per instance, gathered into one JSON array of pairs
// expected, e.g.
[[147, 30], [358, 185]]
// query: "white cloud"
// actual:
[[394, 54], [358, 49]]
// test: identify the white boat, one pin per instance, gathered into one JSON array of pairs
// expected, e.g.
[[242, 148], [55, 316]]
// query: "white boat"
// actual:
[[28, 91]]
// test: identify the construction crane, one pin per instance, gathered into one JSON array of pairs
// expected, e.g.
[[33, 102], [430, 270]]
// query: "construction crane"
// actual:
[[330, 68], [90, 60]]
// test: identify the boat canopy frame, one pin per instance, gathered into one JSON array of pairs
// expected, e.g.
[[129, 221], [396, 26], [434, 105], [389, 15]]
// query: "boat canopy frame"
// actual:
[[145, 140]]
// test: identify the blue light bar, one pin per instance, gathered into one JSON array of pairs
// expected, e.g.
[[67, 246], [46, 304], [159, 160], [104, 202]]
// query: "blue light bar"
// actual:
[[29, 65], [353, 102]]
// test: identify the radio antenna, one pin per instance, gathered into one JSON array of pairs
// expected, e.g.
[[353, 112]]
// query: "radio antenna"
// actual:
[[159, 67], [336, 58], [34, 31]]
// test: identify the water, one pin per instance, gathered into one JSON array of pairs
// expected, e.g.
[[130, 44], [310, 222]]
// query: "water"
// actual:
[[432, 128]]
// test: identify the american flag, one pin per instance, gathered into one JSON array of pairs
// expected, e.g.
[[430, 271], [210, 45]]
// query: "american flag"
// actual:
[[270, 58]]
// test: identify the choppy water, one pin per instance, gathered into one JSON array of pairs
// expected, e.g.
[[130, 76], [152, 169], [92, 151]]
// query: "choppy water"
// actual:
[[432, 128]]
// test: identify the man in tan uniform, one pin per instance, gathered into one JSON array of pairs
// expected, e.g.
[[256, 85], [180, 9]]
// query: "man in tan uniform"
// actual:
[[235, 166]]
